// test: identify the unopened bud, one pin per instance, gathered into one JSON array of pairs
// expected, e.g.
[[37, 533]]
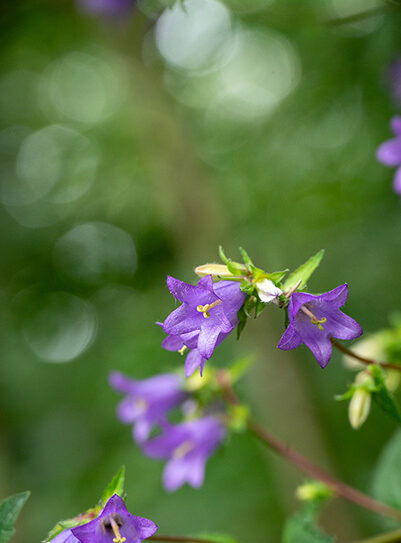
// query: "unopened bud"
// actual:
[[359, 407], [313, 491], [267, 290], [218, 271]]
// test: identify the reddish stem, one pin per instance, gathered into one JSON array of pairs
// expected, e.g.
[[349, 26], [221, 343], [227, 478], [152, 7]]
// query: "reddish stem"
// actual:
[[363, 359]]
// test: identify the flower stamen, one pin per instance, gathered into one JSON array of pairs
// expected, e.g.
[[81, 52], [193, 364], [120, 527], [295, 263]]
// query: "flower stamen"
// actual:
[[206, 308], [183, 449], [116, 531], [182, 350], [313, 318]]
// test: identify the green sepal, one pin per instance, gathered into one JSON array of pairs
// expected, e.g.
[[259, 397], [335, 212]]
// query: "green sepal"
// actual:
[[347, 395], [259, 307], [249, 305], [247, 260], [235, 267], [9, 510], [222, 255], [247, 287], [277, 276], [116, 486], [382, 396], [303, 528], [303, 273], [72, 523], [242, 319]]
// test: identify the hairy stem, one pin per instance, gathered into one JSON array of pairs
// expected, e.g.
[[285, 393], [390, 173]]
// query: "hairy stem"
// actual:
[[389, 537], [294, 457], [180, 539], [363, 359]]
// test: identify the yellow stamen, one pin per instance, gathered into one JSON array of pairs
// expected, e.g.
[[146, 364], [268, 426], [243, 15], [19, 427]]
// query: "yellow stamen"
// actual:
[[116, 531], [141, 403], [206, 308], [183, 449], [313, 318], [182, 350]]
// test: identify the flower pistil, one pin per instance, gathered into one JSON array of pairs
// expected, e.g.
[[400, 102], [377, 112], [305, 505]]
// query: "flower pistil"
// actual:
[[206, 308], [114, 523], [313, 318]]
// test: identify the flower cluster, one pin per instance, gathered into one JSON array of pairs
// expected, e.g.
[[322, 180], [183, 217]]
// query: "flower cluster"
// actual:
[[186, 446], [115, 524]]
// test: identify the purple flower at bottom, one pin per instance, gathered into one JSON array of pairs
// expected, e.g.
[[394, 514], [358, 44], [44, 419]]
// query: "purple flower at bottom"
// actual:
[[186, 447], [115, 9], [389, 152], [147, 402], [316, 319], [206, 317], [115, 524]]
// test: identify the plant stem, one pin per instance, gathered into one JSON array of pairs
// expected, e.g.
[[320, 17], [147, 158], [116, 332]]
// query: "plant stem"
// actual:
[[180, 539], [389, 537], [363, 359], [294, 457]]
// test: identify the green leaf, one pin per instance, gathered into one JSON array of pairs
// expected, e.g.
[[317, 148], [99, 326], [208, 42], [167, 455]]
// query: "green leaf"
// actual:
[[303, 273], [247, 260], [249, 305], [9, 511], [382, 395], [387, 478], [235, 267], [217, 538], [277, 276], [240, 367], [116, 486], [301, 528], [242, 320]]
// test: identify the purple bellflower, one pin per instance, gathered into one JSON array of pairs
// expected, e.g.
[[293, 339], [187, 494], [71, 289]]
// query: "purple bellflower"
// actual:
[[66, 536], [208, 314], [113, 9], [147, 402], [115, 524], [316, 319], [186, 447], [389, 153]]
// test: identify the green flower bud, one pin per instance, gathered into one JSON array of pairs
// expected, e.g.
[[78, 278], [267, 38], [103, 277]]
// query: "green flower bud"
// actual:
[[217, 271], [359, 407]]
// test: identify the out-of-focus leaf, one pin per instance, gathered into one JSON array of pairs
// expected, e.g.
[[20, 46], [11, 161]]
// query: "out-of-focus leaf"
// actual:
[[382, 395], [302, 528], [9, 511], [116, 486], [387, 476], [303, 273], [239, 367]]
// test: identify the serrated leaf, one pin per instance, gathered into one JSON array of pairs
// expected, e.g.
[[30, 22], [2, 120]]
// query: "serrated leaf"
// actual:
[[9, 511], [382, 396], [303, 273], [116, 486], [217, 538], [247, 260], [387, 477], [301, 528]]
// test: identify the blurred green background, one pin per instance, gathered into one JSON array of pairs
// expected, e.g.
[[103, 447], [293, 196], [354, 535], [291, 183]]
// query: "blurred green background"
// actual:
[[130, 149]]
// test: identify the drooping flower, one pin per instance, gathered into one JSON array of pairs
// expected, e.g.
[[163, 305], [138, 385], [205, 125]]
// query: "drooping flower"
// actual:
[[316, 319], [115, 524], [389, 153], [267, 290], [186, 447], [148, 401], [206, 317], [115, 9]]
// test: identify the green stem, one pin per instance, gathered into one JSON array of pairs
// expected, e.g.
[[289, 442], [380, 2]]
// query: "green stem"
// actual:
[[389, 537], [363, 359]]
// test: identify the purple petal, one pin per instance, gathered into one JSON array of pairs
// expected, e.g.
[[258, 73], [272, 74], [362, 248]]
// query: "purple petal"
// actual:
[[321, 347], [290, 339], [128, 410], [175, 474], [66, 536], [121, 383], [192, 361], [389, 152], [164, 445], [341, 326], [86, 533], [396, 125], [207, 339], [190, 294], [143, 526], [172, 343], [184, 319], [206, 283], [397, 182], [196, 474], [141, 430], [336, 297]]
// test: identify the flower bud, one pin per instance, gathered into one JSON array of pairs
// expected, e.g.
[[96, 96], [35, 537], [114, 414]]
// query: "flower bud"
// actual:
[[217, 271], [359, 407], [313, 491], [267, 290]]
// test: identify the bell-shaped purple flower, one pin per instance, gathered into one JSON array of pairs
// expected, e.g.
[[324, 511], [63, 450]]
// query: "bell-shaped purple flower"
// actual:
[[389, 153], [208, 314], [316, 319], [115, 524], [148, 401], [186, 447]]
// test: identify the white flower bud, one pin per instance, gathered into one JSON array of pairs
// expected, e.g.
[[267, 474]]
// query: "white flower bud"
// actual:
[[216, 270], [267, 290], [359, 407]]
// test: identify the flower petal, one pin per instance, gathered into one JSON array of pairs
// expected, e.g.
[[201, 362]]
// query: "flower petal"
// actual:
[[397, 182], [341, 326], [184, 319], [321, 348], [290, 339], [207, 339], [389, 152], [193, 361], [190, 294], [144, 527], [175, 474], [396, 125]]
